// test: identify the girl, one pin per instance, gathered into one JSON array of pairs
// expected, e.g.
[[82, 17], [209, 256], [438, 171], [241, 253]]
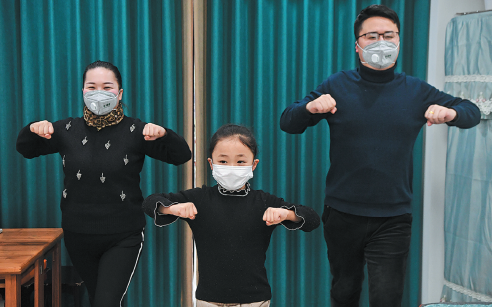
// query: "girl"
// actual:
[[102, 155], [231, 223]]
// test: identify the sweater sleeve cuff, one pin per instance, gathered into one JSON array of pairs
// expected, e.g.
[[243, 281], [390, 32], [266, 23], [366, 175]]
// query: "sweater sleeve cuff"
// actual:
[[150, 206], [467, 115], [28, 142], [156, 211], [291, 225], [162, 220], [170, 136], [455, 119], [305, 113]]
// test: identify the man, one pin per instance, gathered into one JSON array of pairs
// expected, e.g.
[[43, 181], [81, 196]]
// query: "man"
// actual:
[[374, 116]]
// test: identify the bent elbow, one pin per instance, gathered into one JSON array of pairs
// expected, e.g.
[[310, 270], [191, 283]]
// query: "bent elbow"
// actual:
[[183, 158]]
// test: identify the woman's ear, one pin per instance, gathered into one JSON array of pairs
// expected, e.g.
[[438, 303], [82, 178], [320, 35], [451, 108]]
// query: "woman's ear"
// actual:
[[120, 94], [255, 163], [210, 162]]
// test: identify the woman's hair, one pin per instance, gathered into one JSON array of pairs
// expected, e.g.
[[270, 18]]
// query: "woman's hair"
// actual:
[[244, 135], [106, 65], [375, 10]]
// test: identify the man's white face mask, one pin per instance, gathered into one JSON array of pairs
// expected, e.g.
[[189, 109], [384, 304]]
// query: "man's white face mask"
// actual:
[[380, 54]]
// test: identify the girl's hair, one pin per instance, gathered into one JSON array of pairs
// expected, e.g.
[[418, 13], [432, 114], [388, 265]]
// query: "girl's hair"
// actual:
[[244, 135], [106, 65]]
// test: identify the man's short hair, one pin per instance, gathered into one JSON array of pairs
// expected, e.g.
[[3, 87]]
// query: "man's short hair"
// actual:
[[375, 10]]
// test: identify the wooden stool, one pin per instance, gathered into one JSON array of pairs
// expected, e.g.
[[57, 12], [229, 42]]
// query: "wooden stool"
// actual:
[[27, 280], [70, 283]]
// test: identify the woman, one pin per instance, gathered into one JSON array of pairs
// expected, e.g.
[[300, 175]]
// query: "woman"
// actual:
[[102, 155]]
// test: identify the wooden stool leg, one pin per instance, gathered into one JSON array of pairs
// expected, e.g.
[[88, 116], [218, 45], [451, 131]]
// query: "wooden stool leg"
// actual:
[[56, 276], [12, 291], [39, 283]]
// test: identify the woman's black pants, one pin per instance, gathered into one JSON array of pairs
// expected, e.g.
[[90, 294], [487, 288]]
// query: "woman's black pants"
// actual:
[[105, 262]]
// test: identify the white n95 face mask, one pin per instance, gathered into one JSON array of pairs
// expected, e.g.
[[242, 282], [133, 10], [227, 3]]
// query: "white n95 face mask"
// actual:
[[100, 102], [380, 54], [232, 177]]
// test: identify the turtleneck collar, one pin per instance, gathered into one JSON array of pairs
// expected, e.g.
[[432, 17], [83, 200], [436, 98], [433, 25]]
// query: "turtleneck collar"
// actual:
[[376, 76], [239, 192]]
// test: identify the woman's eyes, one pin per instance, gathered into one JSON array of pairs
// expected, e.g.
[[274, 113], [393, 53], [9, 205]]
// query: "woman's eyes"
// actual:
[[107, 88]]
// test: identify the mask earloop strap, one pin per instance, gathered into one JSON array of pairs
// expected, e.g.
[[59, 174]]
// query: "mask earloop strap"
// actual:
[[362, 50]]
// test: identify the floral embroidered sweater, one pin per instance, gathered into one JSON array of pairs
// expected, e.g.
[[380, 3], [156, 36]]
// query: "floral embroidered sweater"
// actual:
[[101, 193]]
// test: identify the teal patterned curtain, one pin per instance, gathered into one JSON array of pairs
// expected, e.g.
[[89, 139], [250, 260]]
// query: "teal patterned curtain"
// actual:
[[468, 198], [262, 56], [457, 304], [44, 48]]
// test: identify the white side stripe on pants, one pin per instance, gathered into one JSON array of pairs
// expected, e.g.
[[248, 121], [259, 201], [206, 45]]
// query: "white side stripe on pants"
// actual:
[[134, 267]]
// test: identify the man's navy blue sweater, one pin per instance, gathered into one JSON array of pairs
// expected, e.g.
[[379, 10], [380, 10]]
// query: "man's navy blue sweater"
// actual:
[[372, 134]]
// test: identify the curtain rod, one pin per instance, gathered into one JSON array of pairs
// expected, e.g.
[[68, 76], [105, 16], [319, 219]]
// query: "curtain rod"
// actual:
[[473, 12]]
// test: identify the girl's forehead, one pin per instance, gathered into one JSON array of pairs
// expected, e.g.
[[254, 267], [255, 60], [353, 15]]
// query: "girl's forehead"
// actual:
[[231, 139], [231, 144]]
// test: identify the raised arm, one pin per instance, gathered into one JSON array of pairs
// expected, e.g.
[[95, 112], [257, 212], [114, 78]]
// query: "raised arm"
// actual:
[[165, 145], [308, 111], [35, 140], [182, 210], [274, 216], [291, 216], [454, 111], [165, 208], [152, 206]]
